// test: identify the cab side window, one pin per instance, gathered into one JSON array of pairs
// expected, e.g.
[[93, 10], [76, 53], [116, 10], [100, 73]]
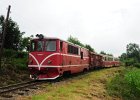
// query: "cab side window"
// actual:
[[73, 50]]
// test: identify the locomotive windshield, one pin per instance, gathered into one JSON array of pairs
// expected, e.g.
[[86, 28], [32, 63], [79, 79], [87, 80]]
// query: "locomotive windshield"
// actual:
[[37, 45], [48, 45]]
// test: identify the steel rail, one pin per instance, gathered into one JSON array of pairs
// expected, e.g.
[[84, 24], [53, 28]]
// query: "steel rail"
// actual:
[[14, 87]]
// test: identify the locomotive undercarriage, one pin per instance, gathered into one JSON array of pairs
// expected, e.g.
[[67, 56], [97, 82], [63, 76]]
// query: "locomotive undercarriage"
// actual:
[[43, 73]]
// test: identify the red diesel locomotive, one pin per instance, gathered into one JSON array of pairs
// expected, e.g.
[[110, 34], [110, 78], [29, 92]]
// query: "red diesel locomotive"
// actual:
[[50, 58]]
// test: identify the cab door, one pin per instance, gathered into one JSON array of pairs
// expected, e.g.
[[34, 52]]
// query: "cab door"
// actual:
[[61, 53]]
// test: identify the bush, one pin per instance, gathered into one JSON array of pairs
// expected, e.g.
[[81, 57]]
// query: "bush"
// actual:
[[133, 80], [8, 53], [15, 59], [20, 63], [21, 54], [126, 85], [137, 65], [129, 62]]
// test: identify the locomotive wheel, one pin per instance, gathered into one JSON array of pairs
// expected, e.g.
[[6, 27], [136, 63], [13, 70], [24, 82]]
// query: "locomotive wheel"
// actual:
[[85, 70], [66, 74]]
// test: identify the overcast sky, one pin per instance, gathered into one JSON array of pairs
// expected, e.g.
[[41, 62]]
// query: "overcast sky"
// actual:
[[107, 25]]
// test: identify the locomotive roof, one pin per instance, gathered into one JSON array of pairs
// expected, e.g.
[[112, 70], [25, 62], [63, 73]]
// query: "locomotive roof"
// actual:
[[61, 40], [109, 56], [46, 38], [75, 45], [96, 53]]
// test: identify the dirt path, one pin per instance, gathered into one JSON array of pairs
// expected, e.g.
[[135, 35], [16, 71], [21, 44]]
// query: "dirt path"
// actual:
[[90, 86]]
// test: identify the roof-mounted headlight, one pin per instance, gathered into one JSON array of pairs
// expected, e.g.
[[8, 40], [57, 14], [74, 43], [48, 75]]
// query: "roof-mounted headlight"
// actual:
[[40, 36]]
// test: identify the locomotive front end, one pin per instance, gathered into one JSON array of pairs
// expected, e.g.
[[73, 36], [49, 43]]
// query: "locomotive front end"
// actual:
[[43, 59]]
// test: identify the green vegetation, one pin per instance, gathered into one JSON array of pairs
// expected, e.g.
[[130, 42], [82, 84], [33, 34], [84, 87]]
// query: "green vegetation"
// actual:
[[102, 52], [126, 85], [132, 55], [77, 42], [15, 58], [89, 86], [89, 47], [14, 45], [13, 34], [14, 67]]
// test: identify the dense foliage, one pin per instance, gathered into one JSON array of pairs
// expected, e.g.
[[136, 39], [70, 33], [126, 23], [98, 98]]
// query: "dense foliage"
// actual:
[[16, 59], [89, 47], [24, 42], [77, 42], [13, 34], [14, 45], [126, 85], [132, 55], [104, 53]]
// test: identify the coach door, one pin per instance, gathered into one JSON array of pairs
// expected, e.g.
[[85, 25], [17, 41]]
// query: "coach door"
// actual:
[[61, 53]]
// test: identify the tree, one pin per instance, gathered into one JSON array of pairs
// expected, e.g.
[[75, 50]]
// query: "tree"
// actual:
[[89, 47], [110, 54], [75, 41], [132, 55], [24, 43], [123, 57], [133, 51], [102, 52], [13, 34], [1, 23]]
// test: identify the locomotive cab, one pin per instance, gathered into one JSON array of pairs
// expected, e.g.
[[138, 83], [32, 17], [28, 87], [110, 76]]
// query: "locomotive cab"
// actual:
[[43, 58]]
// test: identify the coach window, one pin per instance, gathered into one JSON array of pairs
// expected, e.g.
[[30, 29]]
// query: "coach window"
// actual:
[[105, 59], [73, 50], [81, 55], [61, 46], [50, 45]]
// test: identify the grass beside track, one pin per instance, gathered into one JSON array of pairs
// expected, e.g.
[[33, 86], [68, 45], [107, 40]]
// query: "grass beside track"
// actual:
[[126, 85], [91, 85]]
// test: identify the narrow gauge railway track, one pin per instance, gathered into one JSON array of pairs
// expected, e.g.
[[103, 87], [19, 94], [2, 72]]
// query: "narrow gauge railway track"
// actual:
[[14, 87]]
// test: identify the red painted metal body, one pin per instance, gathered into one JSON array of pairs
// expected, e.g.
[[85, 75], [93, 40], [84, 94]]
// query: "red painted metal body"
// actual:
[[96, 60], [66, 57], [50, 58], [110, 61]]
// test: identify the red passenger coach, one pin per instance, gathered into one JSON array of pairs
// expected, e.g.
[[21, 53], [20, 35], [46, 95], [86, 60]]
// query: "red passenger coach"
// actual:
[[96, 60], [50, 58], [110, 61]]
